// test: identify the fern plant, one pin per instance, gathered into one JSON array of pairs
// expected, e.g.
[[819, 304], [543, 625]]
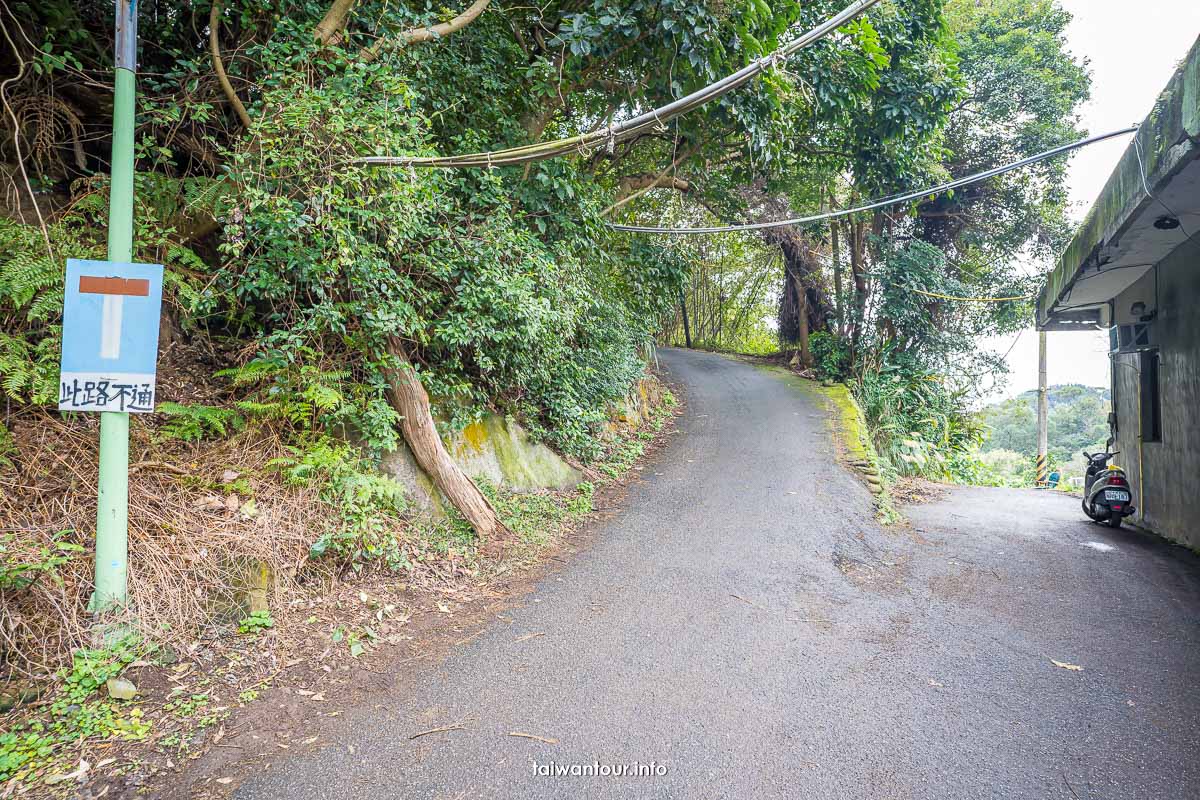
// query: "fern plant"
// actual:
[[192, 423], [29, 370], [32, 272], [369, 504], [308, 397]]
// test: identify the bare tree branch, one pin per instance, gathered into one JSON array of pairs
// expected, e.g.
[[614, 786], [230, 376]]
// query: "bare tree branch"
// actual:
[[214, 47], [329, 29], [424, 34], [634, 186], [634, 183]]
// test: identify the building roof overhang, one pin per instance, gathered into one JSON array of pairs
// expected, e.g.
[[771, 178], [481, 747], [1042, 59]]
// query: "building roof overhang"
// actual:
[[1128, 229]]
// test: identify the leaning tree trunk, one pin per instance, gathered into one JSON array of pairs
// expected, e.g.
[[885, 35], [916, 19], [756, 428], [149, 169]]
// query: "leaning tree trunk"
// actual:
[[411, 401]]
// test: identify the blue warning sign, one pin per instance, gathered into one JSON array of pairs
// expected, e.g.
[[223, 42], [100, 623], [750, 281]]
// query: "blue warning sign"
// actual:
[[110, 336]]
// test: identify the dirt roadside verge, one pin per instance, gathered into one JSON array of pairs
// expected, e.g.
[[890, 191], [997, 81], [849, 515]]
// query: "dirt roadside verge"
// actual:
[[317, 679], [226, 704]]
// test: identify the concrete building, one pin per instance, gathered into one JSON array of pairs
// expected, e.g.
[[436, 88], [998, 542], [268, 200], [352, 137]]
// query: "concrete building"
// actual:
[[1134, 268]]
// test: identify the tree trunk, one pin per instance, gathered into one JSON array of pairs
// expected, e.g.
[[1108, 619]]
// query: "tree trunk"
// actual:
[[802, 303], [329, 29], [214, 47], [687, 330], [535, 124], [806, 359], [836, 242], [410, 400], [425, 34], [859, 273]]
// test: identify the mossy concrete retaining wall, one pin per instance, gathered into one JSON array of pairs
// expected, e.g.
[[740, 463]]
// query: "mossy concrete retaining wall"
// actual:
[[637, 408], [499, 450]]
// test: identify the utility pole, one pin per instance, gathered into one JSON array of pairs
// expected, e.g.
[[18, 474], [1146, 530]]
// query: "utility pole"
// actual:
[[1043, 465], [687, 330], [112, 513]]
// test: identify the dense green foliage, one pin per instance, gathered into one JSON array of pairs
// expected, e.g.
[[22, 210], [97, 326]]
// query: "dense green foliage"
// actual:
[[1021, 97], [943, 91], [913, 355], [503, 287]]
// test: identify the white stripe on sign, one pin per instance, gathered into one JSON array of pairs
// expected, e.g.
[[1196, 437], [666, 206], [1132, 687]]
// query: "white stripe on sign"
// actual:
[[110, 326]]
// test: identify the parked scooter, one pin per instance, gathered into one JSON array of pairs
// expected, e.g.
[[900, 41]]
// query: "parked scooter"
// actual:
[[1107, 495]]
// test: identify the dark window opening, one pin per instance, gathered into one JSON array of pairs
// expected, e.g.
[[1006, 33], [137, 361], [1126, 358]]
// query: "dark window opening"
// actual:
[[1151, 398]]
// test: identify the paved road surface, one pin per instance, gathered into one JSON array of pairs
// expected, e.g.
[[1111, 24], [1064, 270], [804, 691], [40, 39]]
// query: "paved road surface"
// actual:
[[746, 624]]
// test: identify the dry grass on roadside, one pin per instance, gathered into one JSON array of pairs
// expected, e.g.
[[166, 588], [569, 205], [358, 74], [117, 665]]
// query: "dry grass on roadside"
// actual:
[[198, 515], [202, 518]]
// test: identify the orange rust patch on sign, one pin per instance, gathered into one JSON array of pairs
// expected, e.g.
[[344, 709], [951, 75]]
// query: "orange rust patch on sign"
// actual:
[[130, 287]]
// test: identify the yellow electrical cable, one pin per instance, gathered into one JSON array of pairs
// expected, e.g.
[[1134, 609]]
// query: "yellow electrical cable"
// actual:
[[974, 299]]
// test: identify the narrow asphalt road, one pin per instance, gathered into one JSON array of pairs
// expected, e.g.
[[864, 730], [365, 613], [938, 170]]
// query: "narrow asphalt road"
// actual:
[[748, 626]]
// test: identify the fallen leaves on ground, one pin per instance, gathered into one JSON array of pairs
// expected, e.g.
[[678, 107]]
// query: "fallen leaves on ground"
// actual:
[[1062, 665], [79, 774]]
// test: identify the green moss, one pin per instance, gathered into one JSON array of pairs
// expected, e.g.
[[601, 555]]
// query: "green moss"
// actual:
[[524, 463], [856, 440]]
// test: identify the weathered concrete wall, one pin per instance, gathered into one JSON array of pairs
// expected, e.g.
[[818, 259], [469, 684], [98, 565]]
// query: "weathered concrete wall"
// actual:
[[496, 449], [1166, 474], [499, 450]]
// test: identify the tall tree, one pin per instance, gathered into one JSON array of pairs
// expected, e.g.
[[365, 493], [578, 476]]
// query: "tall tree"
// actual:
[[1023, 89]]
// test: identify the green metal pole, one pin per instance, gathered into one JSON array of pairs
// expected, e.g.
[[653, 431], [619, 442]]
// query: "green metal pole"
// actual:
[[112, 514]]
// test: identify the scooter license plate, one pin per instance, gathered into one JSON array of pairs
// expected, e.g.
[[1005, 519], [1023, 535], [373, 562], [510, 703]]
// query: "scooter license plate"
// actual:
[[1116, 496]]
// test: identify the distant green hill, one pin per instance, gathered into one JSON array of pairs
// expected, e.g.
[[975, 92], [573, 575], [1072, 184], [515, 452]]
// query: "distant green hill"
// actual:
[[1078, 421]]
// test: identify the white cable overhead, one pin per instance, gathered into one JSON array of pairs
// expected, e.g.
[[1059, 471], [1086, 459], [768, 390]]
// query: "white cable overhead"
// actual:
[[888, 201], [609, 136]]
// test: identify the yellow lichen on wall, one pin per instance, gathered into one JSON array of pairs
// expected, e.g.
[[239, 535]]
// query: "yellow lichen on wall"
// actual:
[[499, 450], [475, 435]]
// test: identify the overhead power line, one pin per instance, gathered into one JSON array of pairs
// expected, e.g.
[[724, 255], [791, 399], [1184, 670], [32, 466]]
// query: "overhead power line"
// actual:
[[940, 296], [886, 202], [609, 136]]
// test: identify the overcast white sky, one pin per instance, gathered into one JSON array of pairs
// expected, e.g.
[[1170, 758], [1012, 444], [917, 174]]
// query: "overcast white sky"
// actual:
[[1133, 49]]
